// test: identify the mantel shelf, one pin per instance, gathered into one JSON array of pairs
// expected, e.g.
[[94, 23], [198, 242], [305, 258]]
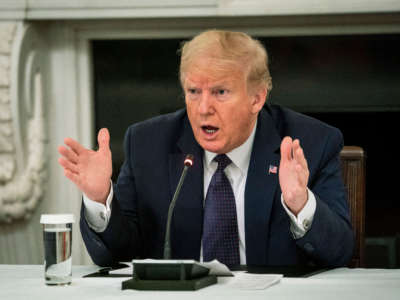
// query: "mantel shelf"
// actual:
[[121, 9]]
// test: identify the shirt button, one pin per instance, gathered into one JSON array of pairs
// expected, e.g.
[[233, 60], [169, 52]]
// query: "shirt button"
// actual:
[[103, 216], [308, 248], [306, 224]]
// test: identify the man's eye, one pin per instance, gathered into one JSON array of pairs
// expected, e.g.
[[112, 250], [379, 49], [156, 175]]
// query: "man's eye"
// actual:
[[221, 92], [192, 91]]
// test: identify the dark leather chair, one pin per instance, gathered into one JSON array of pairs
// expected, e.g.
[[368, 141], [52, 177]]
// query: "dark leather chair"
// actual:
[[353, 168]]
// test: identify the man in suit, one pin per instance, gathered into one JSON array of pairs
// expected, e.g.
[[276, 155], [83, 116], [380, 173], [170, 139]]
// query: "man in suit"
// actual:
[[265, 188]]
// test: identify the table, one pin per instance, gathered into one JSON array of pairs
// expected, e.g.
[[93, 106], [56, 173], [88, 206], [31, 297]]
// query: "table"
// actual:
[[27, 282]]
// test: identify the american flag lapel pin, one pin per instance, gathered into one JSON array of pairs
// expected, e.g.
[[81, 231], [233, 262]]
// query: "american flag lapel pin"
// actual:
[[272, 169]]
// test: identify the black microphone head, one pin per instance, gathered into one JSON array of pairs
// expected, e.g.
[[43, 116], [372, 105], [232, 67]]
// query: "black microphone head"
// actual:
[[189, 160]]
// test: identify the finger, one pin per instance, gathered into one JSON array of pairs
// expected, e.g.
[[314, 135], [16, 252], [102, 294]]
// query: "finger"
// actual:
[[66, 164], [74, 145], [296, 147], [296, 144], [299, 154], [103, 138], [286, 149], [301, 175], [299, 157], [72, 176], [68, 154]]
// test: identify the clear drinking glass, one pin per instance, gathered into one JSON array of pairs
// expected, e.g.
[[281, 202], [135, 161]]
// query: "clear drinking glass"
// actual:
[[57, 241]]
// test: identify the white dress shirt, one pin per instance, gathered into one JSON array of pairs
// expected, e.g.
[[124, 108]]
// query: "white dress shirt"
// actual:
[[98, 215]]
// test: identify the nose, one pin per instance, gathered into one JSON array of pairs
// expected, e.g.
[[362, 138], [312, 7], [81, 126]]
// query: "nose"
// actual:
[[206, 105]]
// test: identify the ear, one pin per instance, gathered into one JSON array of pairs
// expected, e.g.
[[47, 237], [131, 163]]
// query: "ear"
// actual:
[[258, 100]]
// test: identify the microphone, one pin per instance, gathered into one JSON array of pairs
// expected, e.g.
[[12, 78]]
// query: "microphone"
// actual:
[[167, 244], [167, 274]]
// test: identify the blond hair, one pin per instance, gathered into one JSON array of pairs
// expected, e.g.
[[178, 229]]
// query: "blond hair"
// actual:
[[228, 50]]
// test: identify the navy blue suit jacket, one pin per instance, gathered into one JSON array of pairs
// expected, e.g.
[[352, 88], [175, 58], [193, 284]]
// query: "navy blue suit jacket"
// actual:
[[154, 154]]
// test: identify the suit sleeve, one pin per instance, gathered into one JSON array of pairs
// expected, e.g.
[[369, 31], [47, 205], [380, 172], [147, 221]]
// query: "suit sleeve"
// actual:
[[120, 240], [330, 240]]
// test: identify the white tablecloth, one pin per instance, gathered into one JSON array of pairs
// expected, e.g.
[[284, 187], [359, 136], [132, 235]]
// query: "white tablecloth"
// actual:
[[27, 282]]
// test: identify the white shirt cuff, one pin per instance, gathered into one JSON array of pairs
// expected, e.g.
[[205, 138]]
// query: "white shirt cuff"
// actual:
[[302, 223], [98, 215]]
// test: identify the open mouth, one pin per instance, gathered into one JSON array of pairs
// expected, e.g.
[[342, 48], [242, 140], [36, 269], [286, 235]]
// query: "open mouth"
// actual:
[[209, 129]]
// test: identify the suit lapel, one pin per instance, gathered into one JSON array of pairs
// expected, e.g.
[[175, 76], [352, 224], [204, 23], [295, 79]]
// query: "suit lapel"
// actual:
[[260, 189], [187, 220]]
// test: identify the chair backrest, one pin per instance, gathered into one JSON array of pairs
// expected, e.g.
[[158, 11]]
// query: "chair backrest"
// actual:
[[353, 168]]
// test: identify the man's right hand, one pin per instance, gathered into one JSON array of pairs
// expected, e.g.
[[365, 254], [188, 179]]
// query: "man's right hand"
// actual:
[[90, 170]]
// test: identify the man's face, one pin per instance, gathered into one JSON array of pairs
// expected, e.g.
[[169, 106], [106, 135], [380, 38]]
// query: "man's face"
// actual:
[[220, 110]]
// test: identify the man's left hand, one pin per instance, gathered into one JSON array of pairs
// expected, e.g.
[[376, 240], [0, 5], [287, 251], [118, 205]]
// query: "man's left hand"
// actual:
[[293, 175]]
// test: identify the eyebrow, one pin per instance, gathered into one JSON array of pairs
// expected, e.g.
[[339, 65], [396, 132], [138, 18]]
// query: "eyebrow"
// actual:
[[190, 84], [219, 85]]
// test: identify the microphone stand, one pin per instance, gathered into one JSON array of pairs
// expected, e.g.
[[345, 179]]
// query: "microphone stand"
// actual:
[[167, 243], [167, 274]]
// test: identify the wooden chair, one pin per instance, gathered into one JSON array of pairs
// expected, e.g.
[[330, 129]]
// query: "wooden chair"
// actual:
[[353, 168]]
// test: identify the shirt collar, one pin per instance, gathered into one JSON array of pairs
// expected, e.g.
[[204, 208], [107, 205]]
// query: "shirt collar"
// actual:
[[239, 156]]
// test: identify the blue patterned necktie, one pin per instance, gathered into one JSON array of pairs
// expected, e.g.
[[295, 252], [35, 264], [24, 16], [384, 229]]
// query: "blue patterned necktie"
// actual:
[[220, 228]]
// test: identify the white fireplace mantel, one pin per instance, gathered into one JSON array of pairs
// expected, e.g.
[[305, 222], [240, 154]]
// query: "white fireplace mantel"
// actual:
[[105, 9]]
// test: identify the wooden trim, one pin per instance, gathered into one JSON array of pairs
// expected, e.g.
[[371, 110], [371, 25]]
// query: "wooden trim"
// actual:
[[353, 171]]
